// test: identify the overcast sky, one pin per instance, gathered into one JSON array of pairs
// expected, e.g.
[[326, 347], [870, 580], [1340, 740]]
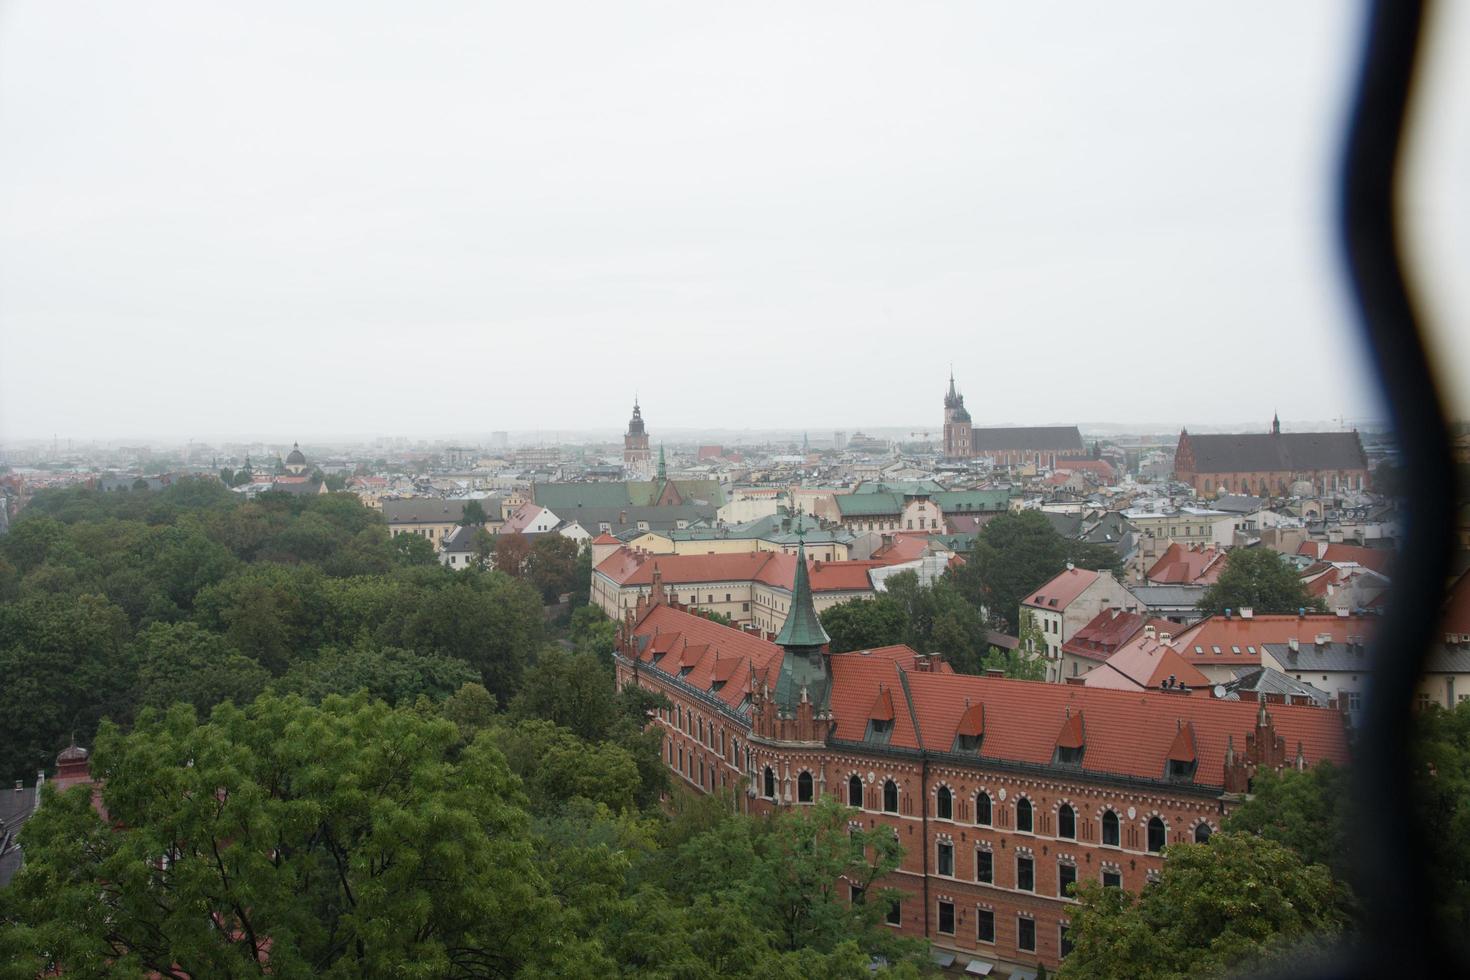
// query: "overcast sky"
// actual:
[[443, 218]]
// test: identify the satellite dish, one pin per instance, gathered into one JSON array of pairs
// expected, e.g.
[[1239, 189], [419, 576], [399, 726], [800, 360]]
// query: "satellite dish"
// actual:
[[1219, 690]]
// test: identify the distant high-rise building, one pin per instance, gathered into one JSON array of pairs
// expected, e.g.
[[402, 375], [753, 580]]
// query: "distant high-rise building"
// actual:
[[839, 440], [636, 457]]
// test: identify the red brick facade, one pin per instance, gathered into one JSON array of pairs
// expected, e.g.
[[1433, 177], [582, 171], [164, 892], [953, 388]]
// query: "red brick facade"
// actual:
[[1171, 762]]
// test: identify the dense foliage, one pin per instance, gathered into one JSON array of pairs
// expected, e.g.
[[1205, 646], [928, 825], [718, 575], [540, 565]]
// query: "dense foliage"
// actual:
[[1259, 579], [1442, 782], [1217, 908], [111, 602]]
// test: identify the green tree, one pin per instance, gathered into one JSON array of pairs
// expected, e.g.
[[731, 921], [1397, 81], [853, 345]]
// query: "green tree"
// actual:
[[556, 766], [1442, 795], [227, 476], [575, 691], [344, 840], [551, 566], [865, 624], [593, 633], [411, 549], [1015, 554], [1216, 908], [181, 662], [1306, 811], [473, 514], [397, 676], [1259, 579]]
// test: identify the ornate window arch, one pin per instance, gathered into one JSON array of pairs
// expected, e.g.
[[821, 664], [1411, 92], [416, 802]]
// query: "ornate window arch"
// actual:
[[1158, 834], [855, 791], [890, 796], [1112, 832], [1067, 821], [804, 787], [983, 814], [1025, 815], [944, 803], [768, 784]]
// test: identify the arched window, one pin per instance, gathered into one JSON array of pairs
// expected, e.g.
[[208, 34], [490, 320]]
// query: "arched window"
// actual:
[[804, 788], [890, 796], [1110, 835], [855, 791], [770, 783], [1067, 822], [944, 804], [1202, 833], [1157, 834], [1023, 815], [982, 809]]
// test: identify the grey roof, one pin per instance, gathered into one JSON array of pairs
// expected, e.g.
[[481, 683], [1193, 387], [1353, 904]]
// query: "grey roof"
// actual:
[[1309, 656], [1235, 503], [1257, 452], [310, 487], [460, 541], [620, 519], [434, 510], [1267, 680], [1046, 438], [1168, 596], [16, 806], [1067, 525]]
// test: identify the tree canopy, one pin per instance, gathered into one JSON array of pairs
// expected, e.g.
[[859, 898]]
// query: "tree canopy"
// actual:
[[1259, 579]]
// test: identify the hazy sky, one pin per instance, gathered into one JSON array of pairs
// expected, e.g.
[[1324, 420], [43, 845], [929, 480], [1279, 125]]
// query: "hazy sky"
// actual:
[[444, 218]]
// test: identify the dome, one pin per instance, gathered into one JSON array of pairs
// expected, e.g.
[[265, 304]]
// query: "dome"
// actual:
[[296, 458], [72, 753]]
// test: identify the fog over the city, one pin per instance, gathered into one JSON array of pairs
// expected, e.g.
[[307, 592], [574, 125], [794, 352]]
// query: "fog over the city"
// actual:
[[335, 218]]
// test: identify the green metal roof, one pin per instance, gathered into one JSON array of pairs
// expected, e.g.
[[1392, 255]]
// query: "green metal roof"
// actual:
[[966, 501], [869, 504], [802, 627]]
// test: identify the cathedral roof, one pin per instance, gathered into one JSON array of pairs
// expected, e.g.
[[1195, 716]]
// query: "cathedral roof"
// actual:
[[296, 458], [802, 627]]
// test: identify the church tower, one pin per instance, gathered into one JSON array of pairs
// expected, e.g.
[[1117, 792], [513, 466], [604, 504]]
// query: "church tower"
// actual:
[[799, 709], [636, 457], [957, 443]]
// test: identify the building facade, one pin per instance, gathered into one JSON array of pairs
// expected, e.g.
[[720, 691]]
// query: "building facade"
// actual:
[[1003, 793], [1271, 464]]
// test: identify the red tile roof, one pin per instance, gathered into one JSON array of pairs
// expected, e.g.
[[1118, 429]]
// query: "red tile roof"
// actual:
[[1144, 664], [1060, 591], [627, 567], [1180, 565], [1378, 559], [1215, 640], [1105, 633], [716, 654], [900, 548], [1127, 733], [605, 538]]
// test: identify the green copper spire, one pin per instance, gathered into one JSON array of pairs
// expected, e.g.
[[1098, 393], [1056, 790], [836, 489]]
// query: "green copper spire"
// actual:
[[803, 665], [663, 467]]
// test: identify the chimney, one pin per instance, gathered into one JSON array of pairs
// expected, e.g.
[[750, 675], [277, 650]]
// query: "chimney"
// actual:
[[1164, 638], [994, 672], [1148, 630], [1293, 644]]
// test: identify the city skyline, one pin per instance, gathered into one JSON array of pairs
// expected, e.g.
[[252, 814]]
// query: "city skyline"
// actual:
[[227, 229]]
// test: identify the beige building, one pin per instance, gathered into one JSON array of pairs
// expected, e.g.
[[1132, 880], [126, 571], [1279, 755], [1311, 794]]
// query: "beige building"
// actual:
[[434, 518], [1066, 604]]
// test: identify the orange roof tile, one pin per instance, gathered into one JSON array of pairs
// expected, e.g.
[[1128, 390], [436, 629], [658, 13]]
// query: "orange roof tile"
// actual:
[[1237, 641], [1072, 734], [1182, 748], [1061, 590], [1181, 565], [1145, 663]]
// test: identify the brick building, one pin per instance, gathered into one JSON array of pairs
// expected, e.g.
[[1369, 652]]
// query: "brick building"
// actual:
[[1003, 792], [1269, 463]]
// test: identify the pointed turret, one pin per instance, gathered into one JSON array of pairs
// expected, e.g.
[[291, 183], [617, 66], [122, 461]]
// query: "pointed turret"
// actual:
[[1276, 424], [663, 465], [804, 663]]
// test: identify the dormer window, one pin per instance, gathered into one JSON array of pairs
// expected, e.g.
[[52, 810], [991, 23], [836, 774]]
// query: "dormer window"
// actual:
[[879, 730], [1181, 772], [1069, 756], [967, 743]]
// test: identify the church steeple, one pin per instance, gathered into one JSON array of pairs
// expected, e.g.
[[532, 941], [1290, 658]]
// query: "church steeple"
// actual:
[[1276, 424], [804, 675], [663, 466]]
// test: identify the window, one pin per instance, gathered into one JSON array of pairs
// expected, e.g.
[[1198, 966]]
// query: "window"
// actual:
[[1181, 772], [985, 926], [1067, 822], [855, 791], [1110, 835], [1025, 874], [1026, 934], [804, 788], [1023, 815], [856, 894], [1112, 879], [1355, 701], [1157, 834], [1066, 940], [985, 867], [890, 796], [1066, 876], [944, 804], [895, 913], [946, 918], [946, 859], [982, 809], [770, 783], [1202, 833]]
